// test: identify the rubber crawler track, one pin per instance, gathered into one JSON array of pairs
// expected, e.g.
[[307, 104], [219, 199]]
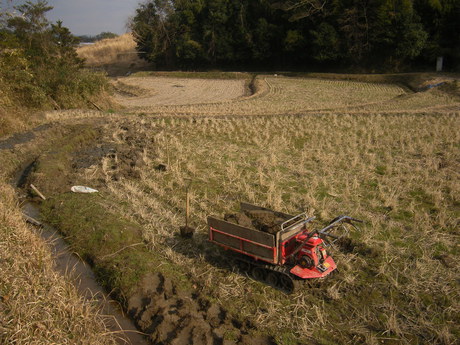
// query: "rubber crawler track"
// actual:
[[278, 277]]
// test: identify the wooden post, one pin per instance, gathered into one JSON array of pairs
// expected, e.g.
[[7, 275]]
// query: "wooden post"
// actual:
[[31, 220], [187, 231], [96, 106], [187, 208]]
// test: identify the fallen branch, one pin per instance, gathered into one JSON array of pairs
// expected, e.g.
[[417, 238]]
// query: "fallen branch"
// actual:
[[96, 106]]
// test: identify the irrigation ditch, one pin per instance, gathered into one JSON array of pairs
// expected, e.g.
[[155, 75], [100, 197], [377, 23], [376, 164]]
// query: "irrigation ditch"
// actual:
[[70, 265]]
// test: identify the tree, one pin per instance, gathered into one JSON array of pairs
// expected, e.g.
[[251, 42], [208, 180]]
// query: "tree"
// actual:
[[383, 34], [397, 34], [189, 47], [154, 33], [105, 35], [65, 44], [354, 24], [326, 42], [440, 19], [38, 60]]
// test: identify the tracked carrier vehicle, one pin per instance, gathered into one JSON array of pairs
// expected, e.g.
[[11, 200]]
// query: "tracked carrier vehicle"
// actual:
[[283, 258]]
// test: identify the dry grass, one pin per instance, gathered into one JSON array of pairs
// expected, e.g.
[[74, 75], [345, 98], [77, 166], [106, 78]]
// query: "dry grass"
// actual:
[[37, 305], [14, 121], [114, 53], [397, 172]]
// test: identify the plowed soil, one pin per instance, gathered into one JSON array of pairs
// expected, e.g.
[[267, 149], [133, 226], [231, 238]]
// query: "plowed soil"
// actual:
[[174, 317]]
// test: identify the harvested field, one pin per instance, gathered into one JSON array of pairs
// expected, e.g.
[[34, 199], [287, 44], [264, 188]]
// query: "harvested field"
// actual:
[[401, 182], [372, 151], [175, 91], [281, 95], [398, 173]]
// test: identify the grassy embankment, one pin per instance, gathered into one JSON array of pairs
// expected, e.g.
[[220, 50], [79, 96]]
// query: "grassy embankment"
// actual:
[[54, 172], [37, 305], [398, 172], [23, 102]]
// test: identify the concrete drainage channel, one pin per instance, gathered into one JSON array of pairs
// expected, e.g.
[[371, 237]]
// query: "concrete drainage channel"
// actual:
[[69, 264]]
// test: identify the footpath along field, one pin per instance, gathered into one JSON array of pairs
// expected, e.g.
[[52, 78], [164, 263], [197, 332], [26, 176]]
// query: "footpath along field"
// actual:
[[378, 152]]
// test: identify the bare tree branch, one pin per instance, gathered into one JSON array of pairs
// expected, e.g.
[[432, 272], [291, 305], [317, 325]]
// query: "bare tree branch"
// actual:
[[300, 8]]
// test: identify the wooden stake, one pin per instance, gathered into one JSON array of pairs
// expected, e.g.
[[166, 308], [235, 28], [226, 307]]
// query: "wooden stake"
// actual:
[[187, 209], [187, 203], [37, 191]]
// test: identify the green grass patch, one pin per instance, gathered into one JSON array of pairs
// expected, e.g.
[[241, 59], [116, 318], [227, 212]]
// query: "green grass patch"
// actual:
[[112, 245]]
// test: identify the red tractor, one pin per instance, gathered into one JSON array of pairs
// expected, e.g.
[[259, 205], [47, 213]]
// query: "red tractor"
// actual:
[[283, 257]]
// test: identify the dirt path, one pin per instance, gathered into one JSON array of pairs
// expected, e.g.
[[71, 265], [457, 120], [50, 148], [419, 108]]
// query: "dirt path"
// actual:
[[21, 138]]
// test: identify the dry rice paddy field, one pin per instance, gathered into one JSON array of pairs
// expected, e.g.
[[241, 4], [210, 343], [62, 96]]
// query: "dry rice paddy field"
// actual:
[[278, 95], [377, 152], [163, 91]]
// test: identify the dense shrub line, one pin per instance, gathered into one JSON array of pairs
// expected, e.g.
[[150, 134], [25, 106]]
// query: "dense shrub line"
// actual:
[[380, 35], [39, 67]]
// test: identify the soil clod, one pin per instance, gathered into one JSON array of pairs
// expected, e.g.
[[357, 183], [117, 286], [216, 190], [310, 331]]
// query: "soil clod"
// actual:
[[446, 260], [349, 245], [187, 231], [262, 220]]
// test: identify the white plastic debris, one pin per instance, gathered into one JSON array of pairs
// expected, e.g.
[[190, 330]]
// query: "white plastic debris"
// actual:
[[83, 189]]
